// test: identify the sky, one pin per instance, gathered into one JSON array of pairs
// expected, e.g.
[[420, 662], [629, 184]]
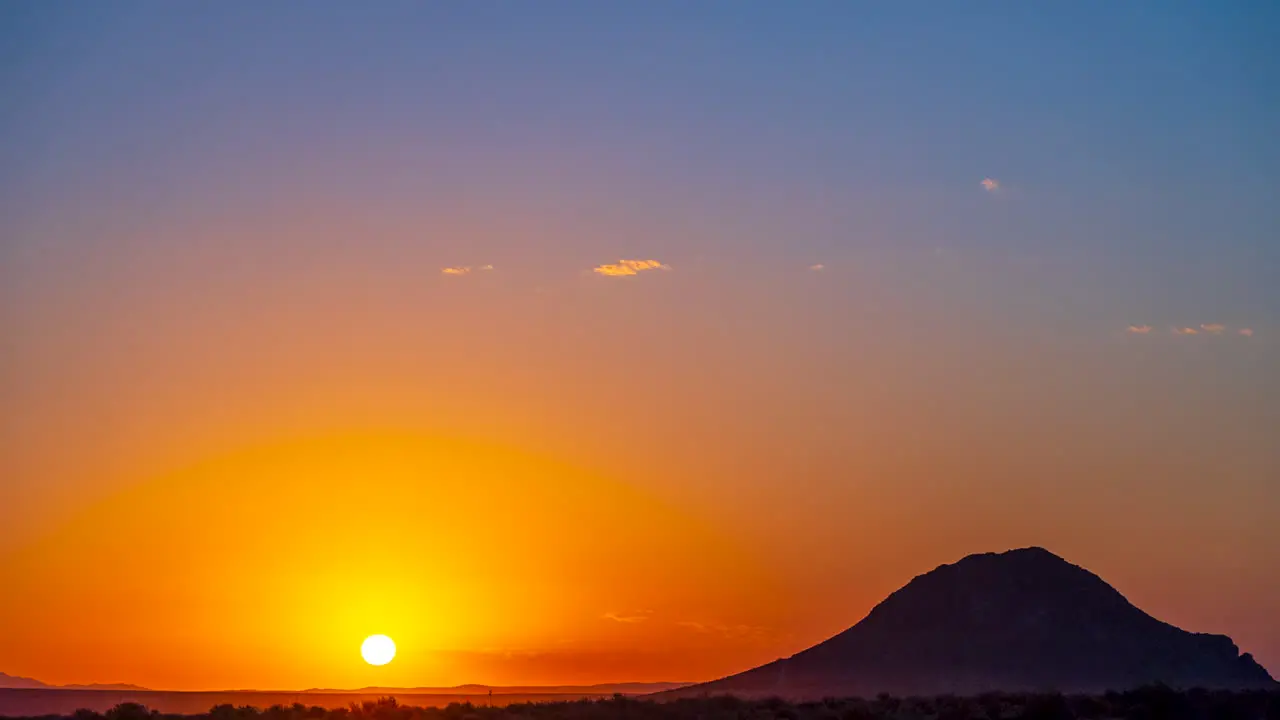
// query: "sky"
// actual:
[[578, 342]]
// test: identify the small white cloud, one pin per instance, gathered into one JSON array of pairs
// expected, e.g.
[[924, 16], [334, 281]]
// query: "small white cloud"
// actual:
[[1247, 332], [1139, 329], [486, 267], [991, 185], [1213, 328]]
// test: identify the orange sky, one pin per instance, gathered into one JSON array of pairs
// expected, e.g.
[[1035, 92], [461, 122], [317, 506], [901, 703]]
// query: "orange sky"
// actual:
[[267, 569], [649, 477]]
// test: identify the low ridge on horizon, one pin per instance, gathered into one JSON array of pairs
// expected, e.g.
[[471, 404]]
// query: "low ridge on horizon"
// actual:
[[17, 682], [655, 686], [1021, 620]]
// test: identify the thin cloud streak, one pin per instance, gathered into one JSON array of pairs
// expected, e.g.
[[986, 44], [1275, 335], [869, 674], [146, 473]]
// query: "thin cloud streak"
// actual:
[[625, 619], [464, 269], [732, 632], [1203, 329], [628, 267], [817, 267]]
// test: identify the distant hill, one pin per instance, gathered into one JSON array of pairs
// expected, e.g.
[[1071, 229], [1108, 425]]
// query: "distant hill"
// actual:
[[102, 686], [13, 682], [1020, 620]]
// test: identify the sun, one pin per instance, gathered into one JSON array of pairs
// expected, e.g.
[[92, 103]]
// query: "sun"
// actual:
[[378, 649]]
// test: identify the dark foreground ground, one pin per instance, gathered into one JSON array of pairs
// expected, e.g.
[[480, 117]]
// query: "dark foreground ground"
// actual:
[[49, 703], [1153, 703]]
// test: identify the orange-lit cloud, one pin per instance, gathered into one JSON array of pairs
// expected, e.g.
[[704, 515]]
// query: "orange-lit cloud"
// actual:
[[1247, 332], [1214, 328], [629, 267], [1185, 331], [1139, 329], [990, 184], [817, 267]]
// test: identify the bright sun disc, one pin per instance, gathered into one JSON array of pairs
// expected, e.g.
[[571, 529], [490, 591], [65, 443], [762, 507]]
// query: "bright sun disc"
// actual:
[[378, 649]]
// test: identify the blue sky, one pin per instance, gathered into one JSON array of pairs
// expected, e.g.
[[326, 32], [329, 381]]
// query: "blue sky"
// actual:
[[1132, 141]]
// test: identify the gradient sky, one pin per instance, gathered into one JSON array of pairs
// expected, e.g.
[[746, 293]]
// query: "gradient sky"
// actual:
[[248, 418]]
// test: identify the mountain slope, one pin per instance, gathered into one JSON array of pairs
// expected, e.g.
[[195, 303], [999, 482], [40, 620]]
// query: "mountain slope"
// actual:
[[1020, 620]]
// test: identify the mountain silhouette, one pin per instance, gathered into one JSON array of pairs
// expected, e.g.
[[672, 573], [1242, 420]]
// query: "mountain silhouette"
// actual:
[[15, 682], [1022, 620]]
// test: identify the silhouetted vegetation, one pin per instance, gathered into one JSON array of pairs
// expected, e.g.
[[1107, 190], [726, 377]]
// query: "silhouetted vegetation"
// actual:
[[1151, 703]]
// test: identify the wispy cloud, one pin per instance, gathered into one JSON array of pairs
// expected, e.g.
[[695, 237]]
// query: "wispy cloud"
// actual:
[[817, 267], [1203, 329], [991, 185], [464, 269], [727, 631], [628, 267]]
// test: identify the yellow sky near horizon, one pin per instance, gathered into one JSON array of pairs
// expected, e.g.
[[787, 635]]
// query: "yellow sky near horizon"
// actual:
[[267, 568]]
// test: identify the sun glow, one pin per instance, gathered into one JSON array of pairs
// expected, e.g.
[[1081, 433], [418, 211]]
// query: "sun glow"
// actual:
[[312, 514], [378, 649]]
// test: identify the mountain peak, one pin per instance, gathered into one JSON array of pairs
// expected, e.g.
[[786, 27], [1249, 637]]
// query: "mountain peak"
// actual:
[[1033, 555]]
